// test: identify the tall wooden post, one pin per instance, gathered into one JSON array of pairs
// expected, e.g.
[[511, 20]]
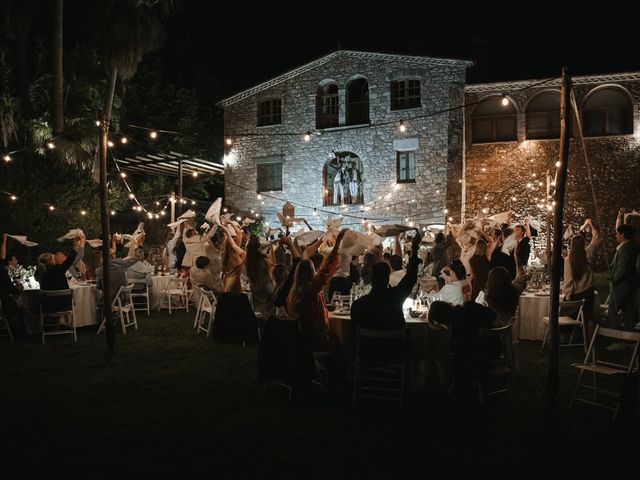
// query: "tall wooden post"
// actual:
[[106, 238], [557, 260], [548, 225], [173, 206], [180, 184]]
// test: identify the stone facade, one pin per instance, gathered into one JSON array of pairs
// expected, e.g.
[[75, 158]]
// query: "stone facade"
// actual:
[[437, 138], [497, 174]]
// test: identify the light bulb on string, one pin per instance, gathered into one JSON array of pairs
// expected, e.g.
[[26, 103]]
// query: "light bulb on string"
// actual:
[[52, 208], [193, 202], [7, 158], [195, 174], [50, 145], [153, 134], [97, 123], [113, 212], [505, 100], [150, 215], [110, 143], [225, 209], [132, 196], [83, 212], [307, 137], [228, 141], [402, 127], [558, 164], [162, 212], [123, 175], [259, 197], [13, 197], [451, 219], [124, 140], [157, 203]]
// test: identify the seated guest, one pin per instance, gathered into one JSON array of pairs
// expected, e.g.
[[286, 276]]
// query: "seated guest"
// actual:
[[140, 273], [341, 282], [202, 277], [397, 272], [381, 309], [117, 272], [502, 293], [454, 278], [52, 276], [480, 267], [8, 290], [77, 269]]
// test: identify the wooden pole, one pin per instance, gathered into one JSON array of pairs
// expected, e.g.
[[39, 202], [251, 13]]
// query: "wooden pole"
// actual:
[[180, 184], [548, 225], [173, 206], [106, 238], [557, 261]]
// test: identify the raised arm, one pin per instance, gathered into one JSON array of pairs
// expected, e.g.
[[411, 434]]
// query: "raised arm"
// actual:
[[234, 246], [405, 285], [286, 240], [397, 248], [596, 239], [620, 217]]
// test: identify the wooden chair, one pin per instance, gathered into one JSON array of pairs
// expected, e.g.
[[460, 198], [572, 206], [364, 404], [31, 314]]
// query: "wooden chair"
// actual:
[[570, 315], [601, 362], [381, 365], [50, 298]]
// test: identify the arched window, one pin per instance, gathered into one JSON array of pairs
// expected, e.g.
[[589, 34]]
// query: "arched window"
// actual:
[[342, 180], [357, 99], [543, 116], [494, 122], [607, 111], [327, 106], [405, 94]]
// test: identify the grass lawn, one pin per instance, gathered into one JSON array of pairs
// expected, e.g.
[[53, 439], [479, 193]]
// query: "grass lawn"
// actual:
[[170, 402]]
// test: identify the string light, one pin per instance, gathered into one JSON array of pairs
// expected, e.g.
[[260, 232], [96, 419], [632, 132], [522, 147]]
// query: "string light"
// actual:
[[110, 143], [123, 175], [505, 100], [307, 137], [153, 134], [402, 127], [132, 196], [195, 173], [558, 164], [13, 197], [97, 123], [52, 208], [83, 212], [50, 145], [124, 140], [228, 141], [7, 158], [259, 197], [113, 212]]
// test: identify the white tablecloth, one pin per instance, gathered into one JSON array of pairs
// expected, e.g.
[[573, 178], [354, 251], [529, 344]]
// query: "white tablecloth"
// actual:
[[531, 310], [160, 283]]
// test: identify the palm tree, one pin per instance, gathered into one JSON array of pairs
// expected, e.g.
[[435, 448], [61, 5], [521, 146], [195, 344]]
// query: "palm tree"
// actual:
[[134, 28], [58, 95]]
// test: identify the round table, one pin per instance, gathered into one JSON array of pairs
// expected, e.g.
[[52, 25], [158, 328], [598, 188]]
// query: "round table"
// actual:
[[159, 285]]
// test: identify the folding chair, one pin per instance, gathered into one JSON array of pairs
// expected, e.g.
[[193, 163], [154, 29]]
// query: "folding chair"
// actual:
[[502, 367], [600, 361], [381, 365], [143, 294], [122, 304], [178, 287], [52, 299], [205, 311], [571, 314]]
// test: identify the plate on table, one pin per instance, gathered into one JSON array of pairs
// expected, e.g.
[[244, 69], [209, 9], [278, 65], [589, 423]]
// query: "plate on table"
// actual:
[[541, 294]]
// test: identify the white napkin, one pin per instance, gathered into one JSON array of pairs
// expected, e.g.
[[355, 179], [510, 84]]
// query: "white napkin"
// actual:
[[70, 235], [23, 240], [213, 214], [188, 214]]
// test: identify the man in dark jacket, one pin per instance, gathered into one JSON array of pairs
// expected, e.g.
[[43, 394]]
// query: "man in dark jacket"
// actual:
[[624, 279]]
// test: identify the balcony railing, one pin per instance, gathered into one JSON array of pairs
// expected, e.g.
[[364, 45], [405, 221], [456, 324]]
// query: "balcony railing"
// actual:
[[357, 113], [327, 120], [328, 198]]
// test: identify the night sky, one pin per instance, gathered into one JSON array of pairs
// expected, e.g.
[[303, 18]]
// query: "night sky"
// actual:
[[240, 46]]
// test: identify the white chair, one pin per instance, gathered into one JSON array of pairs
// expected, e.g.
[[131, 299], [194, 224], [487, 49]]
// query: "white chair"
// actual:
[[122, 304], [57, 327], [143, 294], [205, 312], [380, 365], [600, 361], [570, 315], [179, 288]]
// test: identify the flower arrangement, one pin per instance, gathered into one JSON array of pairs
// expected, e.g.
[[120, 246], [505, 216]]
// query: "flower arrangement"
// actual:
[[24, 275]]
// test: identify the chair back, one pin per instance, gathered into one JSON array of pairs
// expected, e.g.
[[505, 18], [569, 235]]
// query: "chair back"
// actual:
[[381, 347], [601, 356], [53, 298], [572, 308]]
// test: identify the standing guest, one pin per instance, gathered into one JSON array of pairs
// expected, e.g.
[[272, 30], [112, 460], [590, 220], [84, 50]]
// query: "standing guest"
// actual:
[[480, 267], [305, 302], [397, 271], [578, 274], [179, 251], [258, 267], [502, 294], [523, 247], [439, 255], [169, 255], [381, 309], [52, 276], [117, 272], [77, 269], [500, 258], [624, 279], [232, 259]]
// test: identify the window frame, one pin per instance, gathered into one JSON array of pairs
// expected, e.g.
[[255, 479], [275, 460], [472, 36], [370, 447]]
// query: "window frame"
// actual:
[[494, 119], [266, 120], [406, 100], [398, 162], [263, 187]]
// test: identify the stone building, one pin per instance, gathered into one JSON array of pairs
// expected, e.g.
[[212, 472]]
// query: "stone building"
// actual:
[[512, 134], [327, 137]]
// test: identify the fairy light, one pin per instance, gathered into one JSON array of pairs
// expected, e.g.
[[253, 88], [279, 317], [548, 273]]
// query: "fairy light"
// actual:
[[195, 174], [124, 140], [7, 158], [113, 212], [451, 219], [411, 224], [123, 175], [259, 197], [97, 123], [150, 215], [238, 218], [163, 213], [110, 143], [505, 100], [83, 212], [307, 137], [513, 199], [225, 209], [52, 208], [193, 202], [484, 169], [402, 127], [153, 134], [228, 141], [485, 211], [157, 203], [558, 164], [51, 145], [446, 210], [132, 196]]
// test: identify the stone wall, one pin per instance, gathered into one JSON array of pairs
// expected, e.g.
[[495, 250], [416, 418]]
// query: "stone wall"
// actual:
[[497, 174], [438, 155]]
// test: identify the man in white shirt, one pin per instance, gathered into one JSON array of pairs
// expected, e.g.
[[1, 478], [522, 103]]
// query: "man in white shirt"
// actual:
[[140, 273], [397, 272], [454, 277]]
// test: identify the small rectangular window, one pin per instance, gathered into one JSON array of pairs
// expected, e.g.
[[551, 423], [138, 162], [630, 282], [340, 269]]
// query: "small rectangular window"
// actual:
[[406, 165], [269, 177], [270, 112], [405, 94]]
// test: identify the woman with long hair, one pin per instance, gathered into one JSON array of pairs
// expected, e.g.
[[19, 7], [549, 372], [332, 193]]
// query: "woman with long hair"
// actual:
[[305, 302], [578, 274], [232, 259], [258, 267], [502, 294]]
